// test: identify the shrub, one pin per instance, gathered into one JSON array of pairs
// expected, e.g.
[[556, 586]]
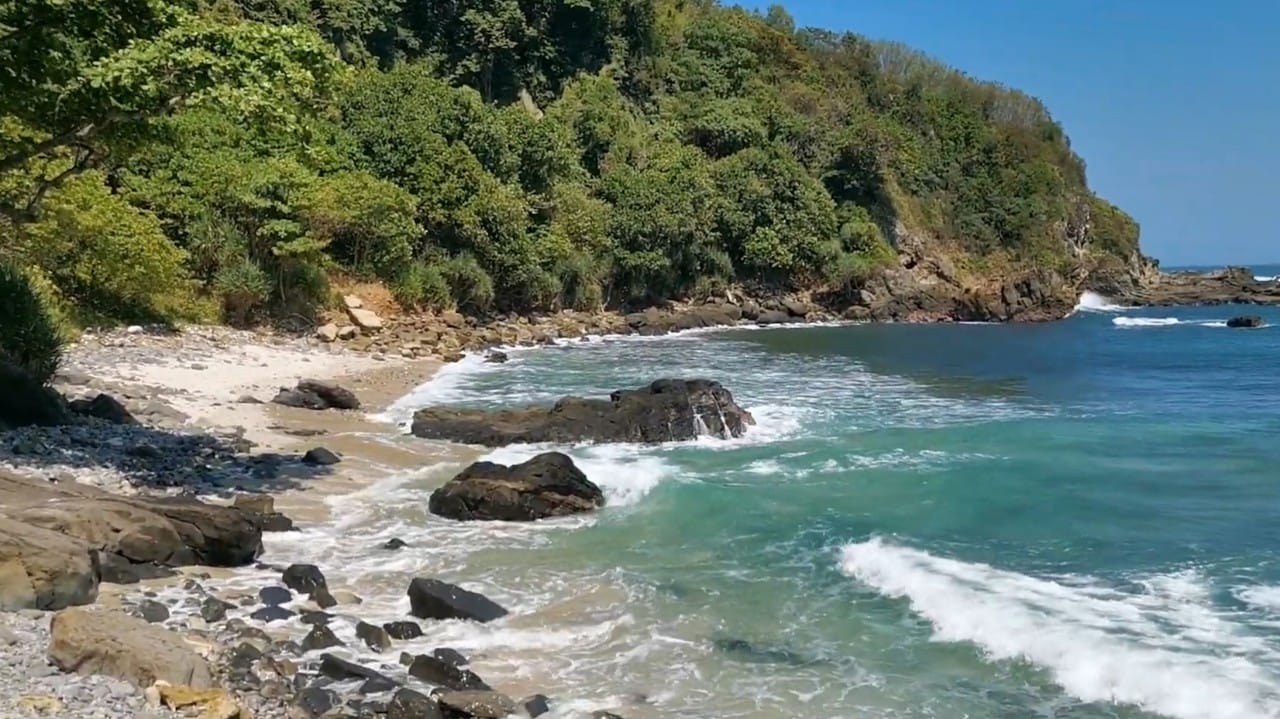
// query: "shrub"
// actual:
[[470, 285], [421, 285], [244, 288], [30, 337]]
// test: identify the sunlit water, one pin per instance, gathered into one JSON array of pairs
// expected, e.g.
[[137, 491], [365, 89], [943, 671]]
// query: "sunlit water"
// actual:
[[1079, 519]]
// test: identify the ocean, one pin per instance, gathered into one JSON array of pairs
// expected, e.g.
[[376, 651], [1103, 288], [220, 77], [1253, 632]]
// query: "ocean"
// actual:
[[1075, 520]]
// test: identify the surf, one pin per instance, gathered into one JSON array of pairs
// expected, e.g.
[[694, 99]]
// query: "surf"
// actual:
[[1094, 302]]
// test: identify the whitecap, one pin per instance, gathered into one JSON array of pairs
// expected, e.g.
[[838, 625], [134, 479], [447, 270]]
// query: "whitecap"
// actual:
[[1145, 321], [1265, 597], [1166, 649], [624, 473], [1266, 278], [1094, 302]]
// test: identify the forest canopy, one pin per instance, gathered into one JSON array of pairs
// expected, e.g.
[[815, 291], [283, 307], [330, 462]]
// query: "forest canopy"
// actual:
[[170, 159]]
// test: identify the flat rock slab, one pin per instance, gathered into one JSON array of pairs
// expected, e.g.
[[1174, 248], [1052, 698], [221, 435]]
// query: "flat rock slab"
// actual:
[[124, 647]]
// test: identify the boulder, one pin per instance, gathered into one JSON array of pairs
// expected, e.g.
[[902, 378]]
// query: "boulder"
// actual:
[[44, 569], [443, 674], [320, 457], [452, 656], [313, 702], [274, 596], [394, 543], [549, 485], [374, 637], [327, 332], [213, 609], [403, 630], [796, 308], [774, 317], [337, 668], [536, 705], [303, 578], [322, 598], [1246, 322], [348, 332], [104, 407], [477, 704], [320, 637], [272, 613], [434, 599], [318, 395], [152, 612], [408, 704], [496, 357], [364, 319], [665, 410], [124, 647]]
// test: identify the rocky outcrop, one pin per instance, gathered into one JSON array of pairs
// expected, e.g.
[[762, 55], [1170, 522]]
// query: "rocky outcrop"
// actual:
[[53, 536], [434, 599], [1232, 285], [666, 410], [548, 485], [124, 647], [318, 395]]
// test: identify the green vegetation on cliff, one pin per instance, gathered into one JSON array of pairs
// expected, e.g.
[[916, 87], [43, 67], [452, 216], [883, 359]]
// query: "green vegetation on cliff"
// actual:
[[164, 159]]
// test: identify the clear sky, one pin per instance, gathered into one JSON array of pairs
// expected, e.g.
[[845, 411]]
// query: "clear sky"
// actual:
[[1173, 104]]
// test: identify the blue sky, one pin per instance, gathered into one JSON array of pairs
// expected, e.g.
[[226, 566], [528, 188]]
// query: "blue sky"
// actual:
[[1174, 105]]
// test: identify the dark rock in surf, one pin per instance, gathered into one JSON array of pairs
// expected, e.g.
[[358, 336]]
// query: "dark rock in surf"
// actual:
[[452, 656], [394, 543], [443, 674], [403, 630], [496, 357], [536, 705], [478, 704], [663, 411], [340, 669], [408, 704], [374, 637], [434, 599], [320, 457], [303, 578], [549, 485], [274, 596], [1245, 322], [320, 637]]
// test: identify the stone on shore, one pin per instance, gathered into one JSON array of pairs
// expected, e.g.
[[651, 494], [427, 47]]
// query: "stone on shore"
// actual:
[[548, 485], [124, 647], [44, 569], [320, 457], [477, 704], [364, 319], [338, 668], [317, 395], [327, 332], [434, 599], [374, 637], [665, 410], [1246, 322], [320, 637], [403, 630], [104, 407], [443, 674], [303, 578]]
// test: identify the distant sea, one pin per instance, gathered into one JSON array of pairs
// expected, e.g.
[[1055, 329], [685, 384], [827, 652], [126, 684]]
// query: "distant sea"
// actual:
[[1077, 520]]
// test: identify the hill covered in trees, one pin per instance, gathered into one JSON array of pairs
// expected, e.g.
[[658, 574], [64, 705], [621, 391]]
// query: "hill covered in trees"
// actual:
[[227, 158]]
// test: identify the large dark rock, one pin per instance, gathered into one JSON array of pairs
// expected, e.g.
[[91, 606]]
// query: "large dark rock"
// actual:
[[318, 395], [24, 401], [403, 630], [374, 637], [1246, 321], [320, 457], [338, 668], [549, 485], [434, 599], [477, 704], [320, 637], [443, 674], [775, 317], [452, 656], [303, 578], [666, 410], [408, 704], [104, 407]]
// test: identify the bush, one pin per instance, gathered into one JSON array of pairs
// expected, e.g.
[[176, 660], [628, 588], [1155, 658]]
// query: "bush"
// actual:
[[244, 288], [580, 282], [30, 337], [421, 285], [470, 286]]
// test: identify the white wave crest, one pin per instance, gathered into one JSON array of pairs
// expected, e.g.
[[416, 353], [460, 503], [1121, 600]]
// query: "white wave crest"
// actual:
[[1094, 302], [1261, 596], [1145, 321], [1266, 278], [1166, 650], [624, 473]]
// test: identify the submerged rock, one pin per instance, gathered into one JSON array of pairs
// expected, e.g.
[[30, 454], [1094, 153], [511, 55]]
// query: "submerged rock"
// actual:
[[549, 485], [664, 411], [434, 599], [1246, 321]]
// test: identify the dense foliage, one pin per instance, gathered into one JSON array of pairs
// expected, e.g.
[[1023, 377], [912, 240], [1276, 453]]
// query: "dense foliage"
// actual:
[[161, 157]]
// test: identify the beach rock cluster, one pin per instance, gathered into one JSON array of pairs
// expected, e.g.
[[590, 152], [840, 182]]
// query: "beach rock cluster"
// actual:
[[663, 411], [548, 485]]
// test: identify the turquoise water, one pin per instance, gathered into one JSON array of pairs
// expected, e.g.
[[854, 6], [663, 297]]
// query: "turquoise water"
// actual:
[[1078, 519]]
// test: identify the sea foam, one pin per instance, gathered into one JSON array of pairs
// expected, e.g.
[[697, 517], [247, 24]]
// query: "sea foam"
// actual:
[[1094, 302], [1166, 649]]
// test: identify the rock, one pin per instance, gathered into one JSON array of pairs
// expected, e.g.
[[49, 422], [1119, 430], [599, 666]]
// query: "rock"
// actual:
[[115, 569], [1246, 321], [352, 302], [434, 599], [478, 704], [536, 705], [314, 702], [665, 410], [774, 317], [496, 357], [144, 451], [106, 407], [408, 704], [548, 485], [604, 715], [274, 596], [303, 578], [323, 598], [364, 319], [796, 308], [337, 668], [327, 332], [257, 503], [209, 703], [44, 569], [454, 320], [124, 647], [315, 617], [273, 613], [213, 609], [375, 637], [451, 656], [320, 457], [320, 637], [348, 332], [443, 674], [318, 395], [152, 612], [345, 597], [403, 630], [248, 399], [394, 543]]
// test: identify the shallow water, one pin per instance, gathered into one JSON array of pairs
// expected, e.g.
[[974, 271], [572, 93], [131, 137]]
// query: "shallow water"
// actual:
[[1066, 520]]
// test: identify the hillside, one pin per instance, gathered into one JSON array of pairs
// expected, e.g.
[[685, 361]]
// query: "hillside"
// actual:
[[233, 159]]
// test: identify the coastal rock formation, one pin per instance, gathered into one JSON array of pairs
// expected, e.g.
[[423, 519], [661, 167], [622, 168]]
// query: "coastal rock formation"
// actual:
[[1246, 322], [434, 599], [43, 569], [124, 647], [318, 395], [548, 485], [1232, 285], [664, 411]]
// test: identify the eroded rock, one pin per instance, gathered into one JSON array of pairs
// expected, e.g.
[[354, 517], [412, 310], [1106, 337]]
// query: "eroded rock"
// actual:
[[548, 485]]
